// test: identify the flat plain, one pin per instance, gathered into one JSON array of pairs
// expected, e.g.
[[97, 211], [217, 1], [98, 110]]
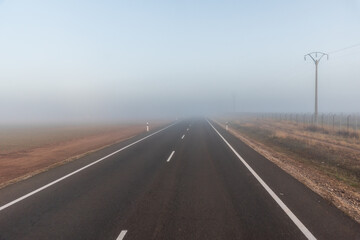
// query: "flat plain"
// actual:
[[28, 150]]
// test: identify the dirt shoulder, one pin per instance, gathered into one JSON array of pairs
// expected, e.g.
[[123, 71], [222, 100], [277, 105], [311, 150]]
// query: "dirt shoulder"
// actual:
[[40, 150], [332, 180]]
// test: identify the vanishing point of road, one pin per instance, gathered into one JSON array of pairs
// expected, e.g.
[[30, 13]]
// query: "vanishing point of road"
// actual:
[[189, 180]]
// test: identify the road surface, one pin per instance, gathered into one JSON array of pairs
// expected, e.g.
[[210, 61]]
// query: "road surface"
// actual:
[[190, 180]]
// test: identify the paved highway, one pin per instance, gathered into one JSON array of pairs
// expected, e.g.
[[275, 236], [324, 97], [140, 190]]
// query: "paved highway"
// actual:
[[190, 180]]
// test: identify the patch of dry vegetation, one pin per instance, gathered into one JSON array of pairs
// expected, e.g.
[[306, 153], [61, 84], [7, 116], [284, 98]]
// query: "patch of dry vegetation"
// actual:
[[326, 161], [25, 151]]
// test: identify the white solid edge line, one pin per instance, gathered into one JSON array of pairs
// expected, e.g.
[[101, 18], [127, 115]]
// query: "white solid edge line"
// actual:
[[169, 158], [183, 136], [76, 171], [288, 212], [121, 235]]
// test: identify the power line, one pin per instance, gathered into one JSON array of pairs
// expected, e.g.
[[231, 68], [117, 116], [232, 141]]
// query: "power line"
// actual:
[[345, 48]]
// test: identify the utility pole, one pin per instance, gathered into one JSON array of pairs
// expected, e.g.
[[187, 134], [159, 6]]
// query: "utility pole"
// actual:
[[316, 57]]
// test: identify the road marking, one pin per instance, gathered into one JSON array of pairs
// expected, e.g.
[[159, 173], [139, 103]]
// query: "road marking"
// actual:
[[168, 160], [187, 129], [79, 170], [121, 235], [183, 136], [288, 212]]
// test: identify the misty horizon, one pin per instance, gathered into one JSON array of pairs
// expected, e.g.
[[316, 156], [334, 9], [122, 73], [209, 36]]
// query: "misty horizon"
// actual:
[[66, 62]]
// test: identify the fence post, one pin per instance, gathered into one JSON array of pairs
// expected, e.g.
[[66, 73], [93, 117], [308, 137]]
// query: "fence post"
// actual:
[[356, 122], [340, 123]]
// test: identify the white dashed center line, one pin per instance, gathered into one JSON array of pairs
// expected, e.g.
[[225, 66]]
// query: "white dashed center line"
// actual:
[[121, 235], [183, 136], [168, 160]]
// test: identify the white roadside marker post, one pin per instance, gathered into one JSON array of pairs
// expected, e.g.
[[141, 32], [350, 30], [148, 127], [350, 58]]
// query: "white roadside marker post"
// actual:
[[227, 126], [147, 126]]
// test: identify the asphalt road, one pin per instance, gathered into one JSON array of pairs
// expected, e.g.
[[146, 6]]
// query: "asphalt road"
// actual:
[[191, 180]]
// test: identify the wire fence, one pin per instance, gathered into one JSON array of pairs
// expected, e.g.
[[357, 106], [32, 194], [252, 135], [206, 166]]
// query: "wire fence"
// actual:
[[340, 123]]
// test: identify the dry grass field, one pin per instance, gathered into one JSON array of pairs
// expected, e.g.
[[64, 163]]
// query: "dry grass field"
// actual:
[[327, 161], [25, 151]]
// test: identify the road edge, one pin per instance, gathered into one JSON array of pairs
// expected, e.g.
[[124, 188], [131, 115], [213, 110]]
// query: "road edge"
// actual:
[[350, 211]]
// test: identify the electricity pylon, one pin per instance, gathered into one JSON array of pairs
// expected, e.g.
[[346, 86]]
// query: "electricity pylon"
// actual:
[[316, 57]]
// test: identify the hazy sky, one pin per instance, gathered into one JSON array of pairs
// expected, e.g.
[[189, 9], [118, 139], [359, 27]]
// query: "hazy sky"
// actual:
[[99, 60]]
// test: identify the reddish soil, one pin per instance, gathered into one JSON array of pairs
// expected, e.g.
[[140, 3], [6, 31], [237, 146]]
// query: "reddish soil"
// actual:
[[23, 162]]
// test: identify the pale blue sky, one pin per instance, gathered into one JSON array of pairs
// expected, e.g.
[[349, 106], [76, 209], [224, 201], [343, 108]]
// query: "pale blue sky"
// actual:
[[100, 60]]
